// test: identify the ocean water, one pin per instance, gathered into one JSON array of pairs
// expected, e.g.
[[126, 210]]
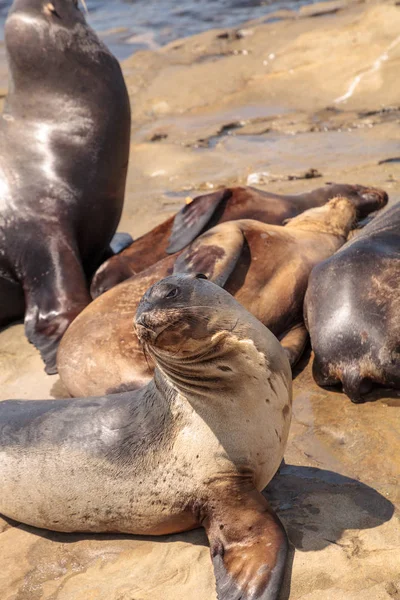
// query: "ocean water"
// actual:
[[130, 25]]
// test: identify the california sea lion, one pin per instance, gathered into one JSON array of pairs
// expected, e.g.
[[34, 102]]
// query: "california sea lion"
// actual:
[[227, 204], [352, 310], [266, 268], [64, 146], [194, 447]]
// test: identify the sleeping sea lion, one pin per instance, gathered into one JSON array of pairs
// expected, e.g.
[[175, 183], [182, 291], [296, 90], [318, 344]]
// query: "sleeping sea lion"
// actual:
[[194, 447], [352, 310], [64, 147], [266, 268], [227, 204]]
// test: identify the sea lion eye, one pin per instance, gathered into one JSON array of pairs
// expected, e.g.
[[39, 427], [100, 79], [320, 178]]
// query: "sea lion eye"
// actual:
[[172, 293], [201, 276]]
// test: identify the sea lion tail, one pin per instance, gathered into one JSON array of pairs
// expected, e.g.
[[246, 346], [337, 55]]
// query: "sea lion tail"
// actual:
[[249, 548]]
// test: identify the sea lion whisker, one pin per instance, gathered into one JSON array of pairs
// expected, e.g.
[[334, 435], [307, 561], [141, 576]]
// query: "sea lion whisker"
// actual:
[[145, 354]]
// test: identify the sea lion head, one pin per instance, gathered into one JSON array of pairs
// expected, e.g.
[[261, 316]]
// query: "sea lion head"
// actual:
[[180, 312], [53, 13], [202, 338], [49, 41], [368, 199]]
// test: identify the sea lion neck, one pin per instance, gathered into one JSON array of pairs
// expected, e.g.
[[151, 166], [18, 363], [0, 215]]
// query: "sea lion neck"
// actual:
[[218, 367]]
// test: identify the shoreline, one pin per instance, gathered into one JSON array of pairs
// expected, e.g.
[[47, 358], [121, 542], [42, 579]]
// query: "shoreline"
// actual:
[[235, 116]]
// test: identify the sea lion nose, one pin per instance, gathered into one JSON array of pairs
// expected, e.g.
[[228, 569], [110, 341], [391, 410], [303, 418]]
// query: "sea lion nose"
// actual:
[[142, 321], [144, 330]]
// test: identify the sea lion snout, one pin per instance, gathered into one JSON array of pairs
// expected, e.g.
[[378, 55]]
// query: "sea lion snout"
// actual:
[[368, 200]]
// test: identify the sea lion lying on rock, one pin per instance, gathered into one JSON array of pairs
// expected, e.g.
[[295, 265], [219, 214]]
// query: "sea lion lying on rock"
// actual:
[[64, 147], [266, 267], [194, 447], [227, 204], [352, 310]]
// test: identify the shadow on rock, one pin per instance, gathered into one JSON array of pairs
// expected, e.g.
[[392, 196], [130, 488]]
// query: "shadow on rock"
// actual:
[[303, 361], [195, 536], [317, 506]]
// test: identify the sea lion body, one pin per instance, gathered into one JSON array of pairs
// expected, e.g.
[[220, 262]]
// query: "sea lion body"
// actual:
[[228, 204], [265, 267], [193, 447], [352, 310], [64, 147]]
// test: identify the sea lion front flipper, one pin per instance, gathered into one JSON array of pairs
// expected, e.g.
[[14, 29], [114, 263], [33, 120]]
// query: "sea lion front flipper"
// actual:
[[193, 218], [248, 547], [294, 342], [215, 253], [56, 291]]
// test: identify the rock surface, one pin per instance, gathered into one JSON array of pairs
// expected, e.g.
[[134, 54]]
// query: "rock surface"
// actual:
[[265, 104]]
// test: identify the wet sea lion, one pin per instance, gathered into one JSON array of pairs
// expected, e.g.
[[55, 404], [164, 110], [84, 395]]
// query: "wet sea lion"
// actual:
[[227, 204], [194, 447], [266, 268], [64, 147], [352, 310]]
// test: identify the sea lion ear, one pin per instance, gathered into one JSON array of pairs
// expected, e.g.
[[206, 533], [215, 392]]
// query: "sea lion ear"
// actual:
[[200, 276], [194, 218]]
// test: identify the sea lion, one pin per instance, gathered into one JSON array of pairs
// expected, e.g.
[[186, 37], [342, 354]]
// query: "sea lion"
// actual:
[[228, 204], [266, 268], [194, 447], [64, 147], [352, 310]]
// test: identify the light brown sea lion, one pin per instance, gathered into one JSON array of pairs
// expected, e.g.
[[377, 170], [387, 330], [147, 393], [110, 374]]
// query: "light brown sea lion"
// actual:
[[227, 204], [194, 447], [352, 310], [266, 267], [64, 148]]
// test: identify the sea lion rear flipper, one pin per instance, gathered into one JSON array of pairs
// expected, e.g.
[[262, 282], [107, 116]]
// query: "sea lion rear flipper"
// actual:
[[55, 290], [248, 547], [193, 218], [215, 253], [294, 342]]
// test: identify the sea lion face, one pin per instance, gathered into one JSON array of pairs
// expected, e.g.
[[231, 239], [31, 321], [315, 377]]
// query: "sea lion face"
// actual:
[[367, 200], [62, 13], [38, 31], [179, 312]]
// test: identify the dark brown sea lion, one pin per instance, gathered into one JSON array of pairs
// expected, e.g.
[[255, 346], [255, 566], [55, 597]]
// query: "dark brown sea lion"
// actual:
[[352, 310], [266, 268], [194, 447], [64, 146], [227, 204]]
